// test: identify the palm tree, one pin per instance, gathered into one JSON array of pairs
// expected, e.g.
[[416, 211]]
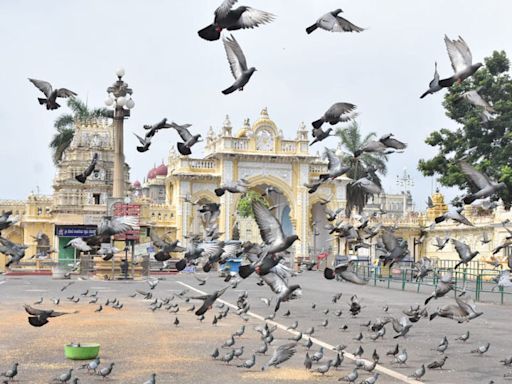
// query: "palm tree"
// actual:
[[65, 125], [366, 165]]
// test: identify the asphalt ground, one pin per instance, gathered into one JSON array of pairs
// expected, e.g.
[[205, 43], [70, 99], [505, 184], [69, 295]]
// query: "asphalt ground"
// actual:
[[141, 341]]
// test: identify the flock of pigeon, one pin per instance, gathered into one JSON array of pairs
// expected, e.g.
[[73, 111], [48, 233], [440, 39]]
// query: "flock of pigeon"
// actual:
[[266, 261]]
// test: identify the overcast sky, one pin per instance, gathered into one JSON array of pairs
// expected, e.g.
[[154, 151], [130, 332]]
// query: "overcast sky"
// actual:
[[175, 74]]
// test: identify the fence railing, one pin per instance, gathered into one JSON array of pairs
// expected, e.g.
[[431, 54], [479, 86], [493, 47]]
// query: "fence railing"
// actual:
[[474, 279]]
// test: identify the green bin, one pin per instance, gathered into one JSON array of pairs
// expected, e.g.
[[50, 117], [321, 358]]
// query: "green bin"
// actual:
[[82, 351]]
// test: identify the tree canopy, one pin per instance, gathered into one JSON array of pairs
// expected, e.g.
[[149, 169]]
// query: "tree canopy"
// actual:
[[484, 143]]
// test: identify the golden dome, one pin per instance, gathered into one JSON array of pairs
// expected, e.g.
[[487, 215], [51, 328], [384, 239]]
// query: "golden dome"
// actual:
[[245, 131]]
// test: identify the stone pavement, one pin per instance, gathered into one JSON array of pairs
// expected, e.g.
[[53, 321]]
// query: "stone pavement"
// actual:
[[141, 342]]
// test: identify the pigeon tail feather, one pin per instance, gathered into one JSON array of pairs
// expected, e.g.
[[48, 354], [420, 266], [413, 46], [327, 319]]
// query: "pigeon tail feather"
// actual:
[[180, 265], [219, 191], [210, 33], [229, 90], [311, 28], [81, 178], [183, 149]]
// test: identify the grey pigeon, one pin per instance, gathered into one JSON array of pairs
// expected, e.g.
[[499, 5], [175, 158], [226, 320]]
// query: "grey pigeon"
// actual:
[[154, 128], [238, 65], [323, 369], [433, 86], [440, 243], [372, 379], [51, 94], [351, 377], [503, 280], [239, 186], [437, 363], [39, 317], [485, 186], [481, 349], [333, 23], [233, 19], [16, 252], [228, 356], [145, 142], [462, 61], [88, 171], [104, 372], [188, 139], [92, 365], [463, 337], [317, 356], [401, 357], [281, 354], [337, 113], [444, 286], [6, 220], [335, 168], [368, 186], [65, 377], [455, 215], [320, 135], [464, 252], [308, 362], [248, 363], [419, 373], [463, 310], [474, 98], [11, 373]]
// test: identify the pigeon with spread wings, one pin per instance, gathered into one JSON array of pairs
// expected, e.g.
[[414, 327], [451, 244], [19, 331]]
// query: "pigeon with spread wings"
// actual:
[[165, 247], [462, 62], [337, 113], [485, 187], [332, 22], [188, 139], [208, 300], [88, 171], [433, 86], [39, 317], [51, 94], [16, 252], [238, 65], [277, 280], [232, 19]]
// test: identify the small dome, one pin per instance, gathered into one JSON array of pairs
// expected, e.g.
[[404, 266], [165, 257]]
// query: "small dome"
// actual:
[[161, 170], [151, 173], [136, 184]]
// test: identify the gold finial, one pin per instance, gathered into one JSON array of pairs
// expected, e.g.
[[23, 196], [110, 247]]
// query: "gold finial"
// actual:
[[264, 113]]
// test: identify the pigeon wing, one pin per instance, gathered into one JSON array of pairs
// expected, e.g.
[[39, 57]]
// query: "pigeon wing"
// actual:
[[121, 225], [254, 17], [464, 50], [182, 131], [270, 228], [276, 283], [474, 98], [343, 25], [461, 248], [157, 240], [338, 109], [236, 57], [456, 57], [333, 160], [390, 241], [63, 92], [476, 177], [224, 8], [43, 86]]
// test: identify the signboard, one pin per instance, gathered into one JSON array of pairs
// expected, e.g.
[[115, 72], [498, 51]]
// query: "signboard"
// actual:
[[122, 209], [75, 230]]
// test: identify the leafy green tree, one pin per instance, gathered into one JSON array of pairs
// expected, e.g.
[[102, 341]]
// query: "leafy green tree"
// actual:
[[486, 144], [66, 128], [244, 206], [367, 164]]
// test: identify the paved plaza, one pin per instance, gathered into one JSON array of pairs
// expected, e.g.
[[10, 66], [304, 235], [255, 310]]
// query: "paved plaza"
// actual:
[[141, 341]]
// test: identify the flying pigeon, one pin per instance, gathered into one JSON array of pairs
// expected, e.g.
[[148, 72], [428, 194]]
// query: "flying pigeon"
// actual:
[[277, 280], [51, 94], [462, 62], [433, 86], [208, 300], [281, 354], [154, 128], [335, 168], [232, 19], [444, 286], [165, 247], [455, 215], [144, 143], [368, 186], [463, 310], [485, 187], [238, 65], [440, 243], [320, 134], [88, 171], [239, 186], [39, 317], [110, 226], [6, 220], [337, 113], [188, 139], [333, 23], [16, 252], [478, 101], [464, 252]]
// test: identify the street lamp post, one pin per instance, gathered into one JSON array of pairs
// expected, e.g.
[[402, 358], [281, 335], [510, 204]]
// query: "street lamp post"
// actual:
[[119, 97], [404, 181]]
